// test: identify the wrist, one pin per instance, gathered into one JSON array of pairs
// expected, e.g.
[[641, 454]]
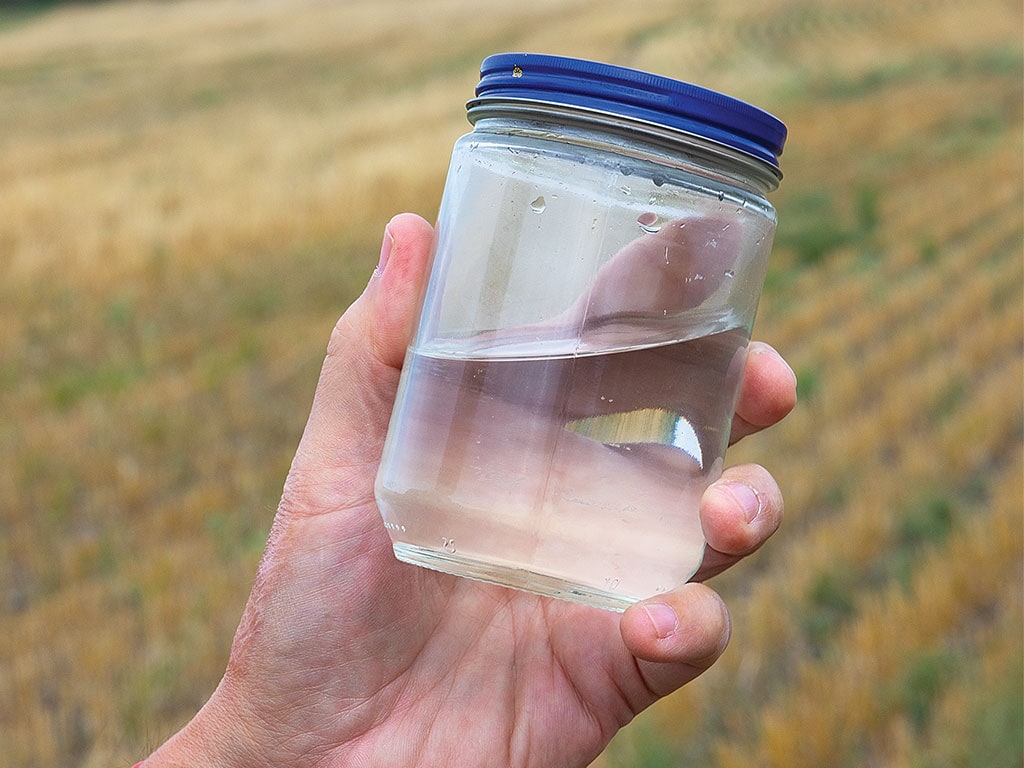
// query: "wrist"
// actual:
[[213, 738]]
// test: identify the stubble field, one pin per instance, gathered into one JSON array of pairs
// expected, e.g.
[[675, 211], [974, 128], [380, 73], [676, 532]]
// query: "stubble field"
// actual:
[[192, 192]]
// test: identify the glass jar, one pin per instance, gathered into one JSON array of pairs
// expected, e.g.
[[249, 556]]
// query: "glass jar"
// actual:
[[568, 391]]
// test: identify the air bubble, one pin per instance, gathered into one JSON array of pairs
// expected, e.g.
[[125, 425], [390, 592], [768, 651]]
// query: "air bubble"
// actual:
[[730, 273], [538, 205], [649, 222]]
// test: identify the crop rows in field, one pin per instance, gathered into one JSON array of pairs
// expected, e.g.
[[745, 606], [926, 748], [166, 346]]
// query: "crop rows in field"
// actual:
[[214, 203], [944, 609], [884, 625]]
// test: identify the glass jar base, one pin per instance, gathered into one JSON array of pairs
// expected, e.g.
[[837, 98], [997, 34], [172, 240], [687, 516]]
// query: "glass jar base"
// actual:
[[514, 578]]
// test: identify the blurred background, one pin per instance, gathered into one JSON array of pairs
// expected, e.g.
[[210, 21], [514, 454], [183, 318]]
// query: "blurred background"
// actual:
[[192, 192]]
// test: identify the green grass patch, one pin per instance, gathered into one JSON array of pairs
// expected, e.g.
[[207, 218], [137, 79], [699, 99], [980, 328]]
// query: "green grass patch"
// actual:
[[929, 251], [928, 521], [808, 383], [921, 684], [921, 525], [995, 62], [994, 734], [15, 13], [74, 382], [813, 225], [809, 226], [830, 602]]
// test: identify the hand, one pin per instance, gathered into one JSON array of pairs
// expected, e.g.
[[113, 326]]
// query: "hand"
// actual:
[[346, 657]]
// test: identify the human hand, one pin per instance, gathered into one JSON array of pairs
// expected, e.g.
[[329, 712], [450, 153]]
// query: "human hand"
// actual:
[[347, 657]]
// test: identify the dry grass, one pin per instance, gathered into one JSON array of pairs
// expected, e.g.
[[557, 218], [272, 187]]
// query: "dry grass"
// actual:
[[191, 192]]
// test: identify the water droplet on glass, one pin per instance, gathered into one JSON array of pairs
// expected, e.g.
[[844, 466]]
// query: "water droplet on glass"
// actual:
[[538, 205], [649, 222], [517, 71]]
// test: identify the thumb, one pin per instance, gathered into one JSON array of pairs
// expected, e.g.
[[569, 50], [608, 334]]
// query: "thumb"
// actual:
[[356, 390], [380, 321], [676, 636]]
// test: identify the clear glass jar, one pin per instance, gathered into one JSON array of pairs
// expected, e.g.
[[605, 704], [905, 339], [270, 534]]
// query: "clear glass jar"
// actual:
[[569, 389]]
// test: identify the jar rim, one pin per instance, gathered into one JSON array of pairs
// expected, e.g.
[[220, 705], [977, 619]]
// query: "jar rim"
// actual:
[[554, 121], [633, 95]]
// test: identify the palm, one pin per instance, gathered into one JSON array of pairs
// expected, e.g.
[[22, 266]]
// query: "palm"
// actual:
[[524, 681], [532, 679]]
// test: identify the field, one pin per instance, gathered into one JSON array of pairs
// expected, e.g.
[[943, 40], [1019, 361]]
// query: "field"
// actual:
[[191, 192]]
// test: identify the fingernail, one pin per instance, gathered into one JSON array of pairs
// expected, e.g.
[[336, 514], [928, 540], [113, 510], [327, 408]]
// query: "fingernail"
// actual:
[[746, 497], [385, 250], [663, 619]]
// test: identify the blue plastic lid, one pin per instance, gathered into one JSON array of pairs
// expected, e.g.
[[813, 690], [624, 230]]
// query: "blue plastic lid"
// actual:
[[637, 95]]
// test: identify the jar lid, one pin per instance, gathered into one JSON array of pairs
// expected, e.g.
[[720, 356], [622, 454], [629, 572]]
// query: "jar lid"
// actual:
[[634, 95]]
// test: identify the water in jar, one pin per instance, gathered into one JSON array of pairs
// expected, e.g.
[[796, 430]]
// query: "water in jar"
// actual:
[[568, 395]]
